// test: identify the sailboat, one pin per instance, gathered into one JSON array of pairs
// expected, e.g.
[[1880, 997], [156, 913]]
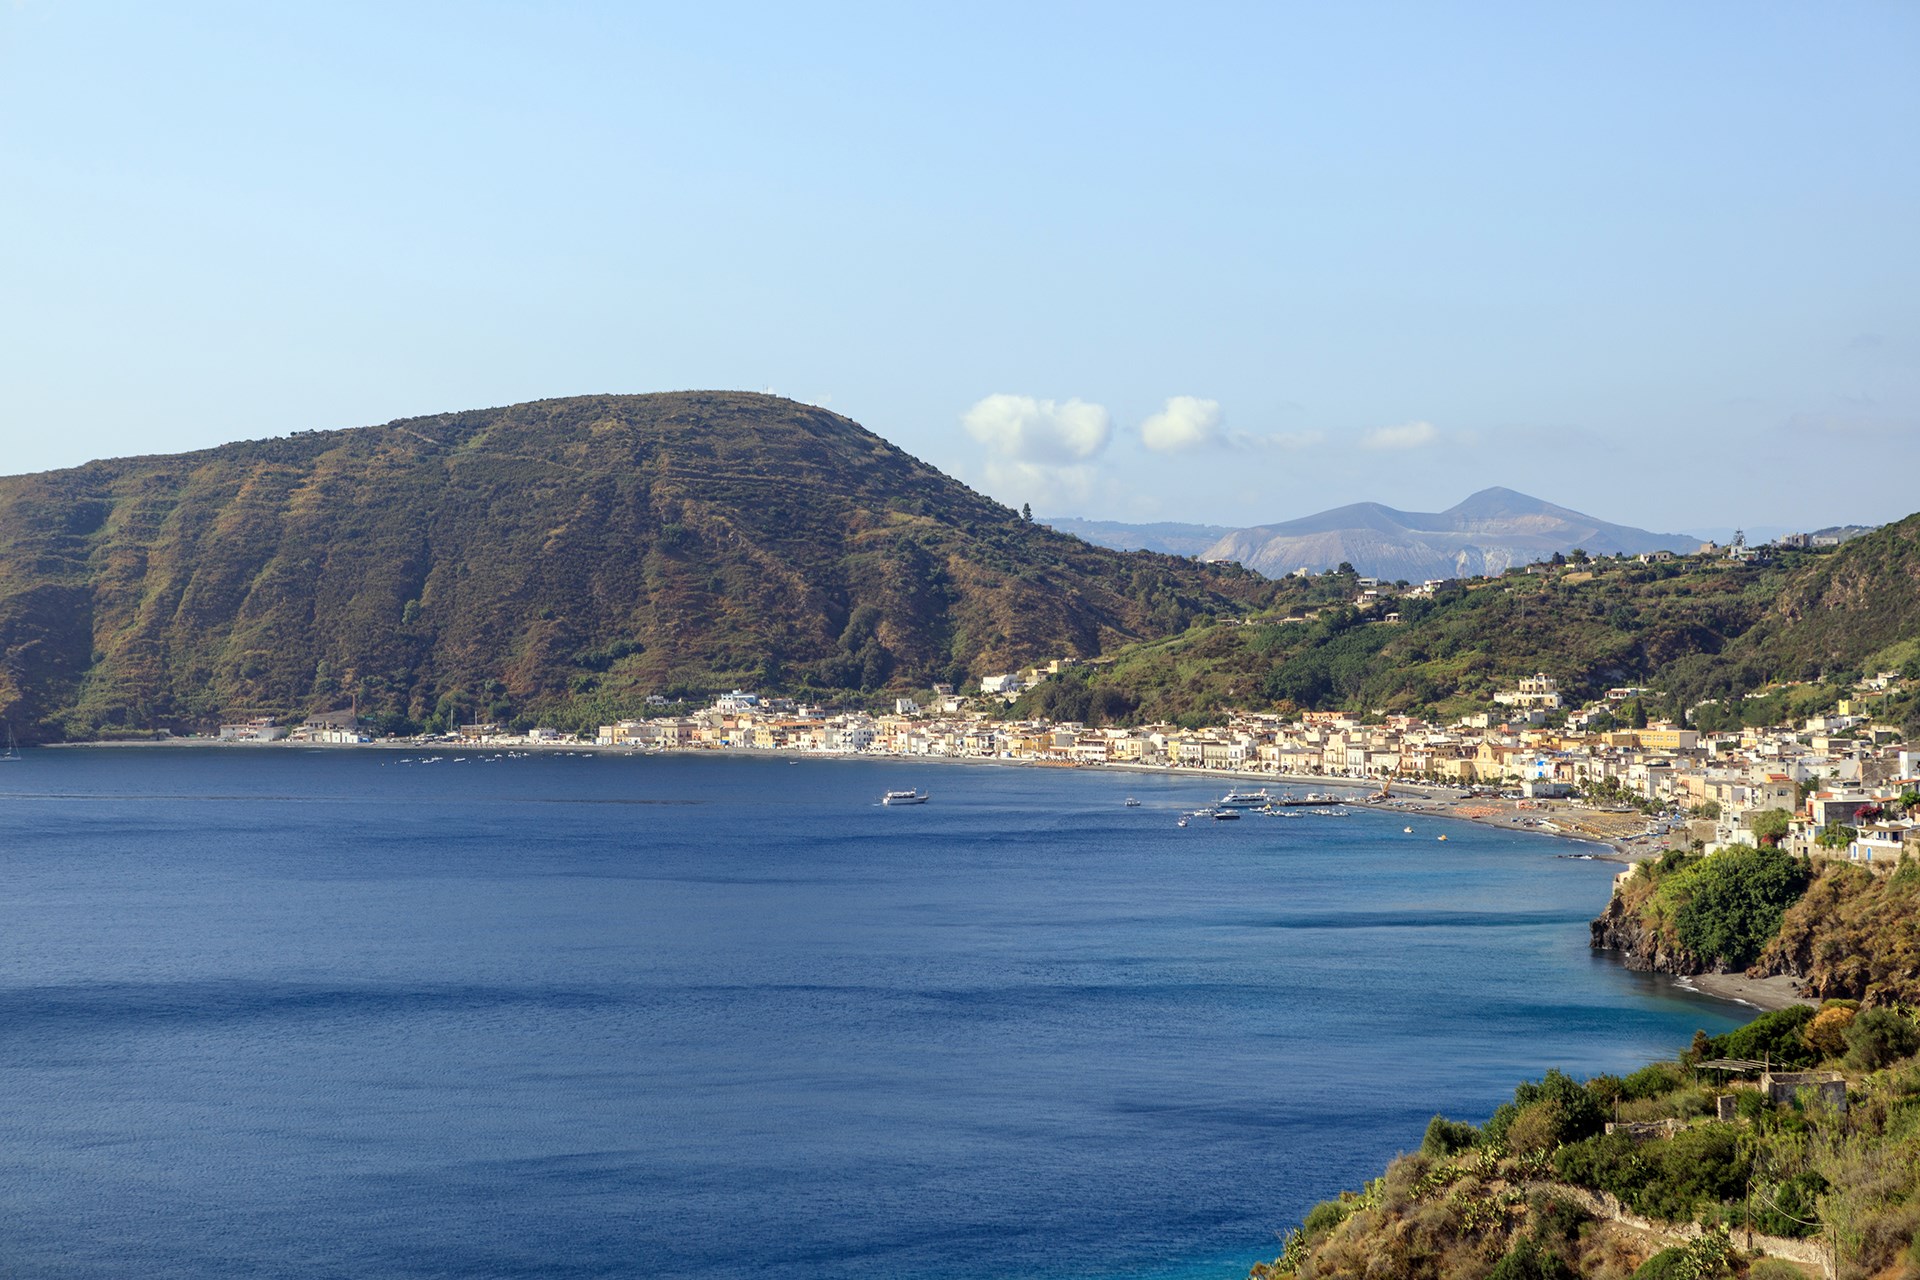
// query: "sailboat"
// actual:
[[13, 748]]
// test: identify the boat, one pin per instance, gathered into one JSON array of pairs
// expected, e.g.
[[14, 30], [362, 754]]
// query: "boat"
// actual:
[[904, 797], [1245, 799], [13, 748], [1442, 837], [1408, 830], [1132, 803], [1182, 822], [1226, 815]]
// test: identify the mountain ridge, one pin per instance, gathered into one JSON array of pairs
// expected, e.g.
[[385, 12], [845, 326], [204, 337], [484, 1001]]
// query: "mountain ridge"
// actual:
[[561, 557], [1487, 532]]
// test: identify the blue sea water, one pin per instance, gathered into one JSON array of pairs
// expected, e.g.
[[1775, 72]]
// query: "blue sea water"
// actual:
[[326, 1013]]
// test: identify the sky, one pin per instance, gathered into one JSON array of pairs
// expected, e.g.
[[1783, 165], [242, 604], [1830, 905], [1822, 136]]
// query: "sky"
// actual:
[[1215, 263]]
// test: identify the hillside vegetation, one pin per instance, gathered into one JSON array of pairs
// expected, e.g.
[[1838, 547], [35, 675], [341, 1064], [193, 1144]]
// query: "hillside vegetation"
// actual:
[[1541, 1192], [1728, 643], [558, 559]]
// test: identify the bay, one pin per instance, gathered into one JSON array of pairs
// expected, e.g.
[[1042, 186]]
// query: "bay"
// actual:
[[341, 1013]]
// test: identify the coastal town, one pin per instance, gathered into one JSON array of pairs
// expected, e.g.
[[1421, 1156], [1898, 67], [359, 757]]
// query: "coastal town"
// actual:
[[1833, 786]]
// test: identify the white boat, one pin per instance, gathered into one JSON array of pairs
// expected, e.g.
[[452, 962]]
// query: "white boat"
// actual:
[[1226, 815], [1132, 803], [13, 748], [1408, 830], [1245, 799], [904, 797]]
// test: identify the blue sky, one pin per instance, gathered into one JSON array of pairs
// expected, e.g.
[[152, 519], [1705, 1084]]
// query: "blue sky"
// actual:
[[1217, 263]]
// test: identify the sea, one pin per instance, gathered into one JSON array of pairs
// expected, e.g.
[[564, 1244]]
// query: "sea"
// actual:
[[451, 1013]]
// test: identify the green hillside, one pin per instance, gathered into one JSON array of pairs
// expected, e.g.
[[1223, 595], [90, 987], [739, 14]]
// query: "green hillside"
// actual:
[[1795, 631], [561, 559]]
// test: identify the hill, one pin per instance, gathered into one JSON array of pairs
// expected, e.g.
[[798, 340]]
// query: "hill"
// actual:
[[1723, 642], [1646, 1177], [561, 558], [1489, 532]]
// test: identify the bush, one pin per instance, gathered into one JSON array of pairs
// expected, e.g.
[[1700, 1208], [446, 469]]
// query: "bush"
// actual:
[[1669, 1180], [1654, 1080], [1774, 1038], [1879, 1038], [1327, 1215], [1668, 1264], [1448, 1137], [1792, 1208], [1774, 1269], [1826, 1035], [1529, 1260], [1580, 1114]]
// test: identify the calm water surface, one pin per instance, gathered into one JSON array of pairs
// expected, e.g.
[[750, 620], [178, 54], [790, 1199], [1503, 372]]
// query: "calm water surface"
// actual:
[[326, 1013]]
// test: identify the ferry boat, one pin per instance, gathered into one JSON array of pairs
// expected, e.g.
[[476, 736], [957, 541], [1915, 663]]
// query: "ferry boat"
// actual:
[[904, 797], [1245, 799]]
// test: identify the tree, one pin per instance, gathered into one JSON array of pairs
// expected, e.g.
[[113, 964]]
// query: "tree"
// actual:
[[1346, 567], [1878, 1037], [1770, 826], [1836, 835], [1730, 905], [1826, 1035], [1579, 555], [1026, 511]]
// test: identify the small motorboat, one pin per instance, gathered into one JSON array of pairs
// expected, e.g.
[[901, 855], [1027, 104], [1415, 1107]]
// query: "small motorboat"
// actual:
[[1226, 815], [1132, 803], [1442, 837], [1408, 830]]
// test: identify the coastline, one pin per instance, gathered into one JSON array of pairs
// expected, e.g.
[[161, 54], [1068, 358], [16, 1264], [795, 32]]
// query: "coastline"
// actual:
[[1763, 994], [1602, 834]]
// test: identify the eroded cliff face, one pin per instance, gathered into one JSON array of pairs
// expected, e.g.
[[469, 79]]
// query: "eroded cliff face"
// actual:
[[1621, 928]]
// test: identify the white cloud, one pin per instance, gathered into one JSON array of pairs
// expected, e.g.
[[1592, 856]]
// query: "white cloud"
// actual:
[[1047, 432], [1408, 435], [1183, 423], [1039, 450]]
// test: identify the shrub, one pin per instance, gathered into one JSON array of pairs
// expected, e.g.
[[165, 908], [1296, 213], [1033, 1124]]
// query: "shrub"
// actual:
[[1580, 1115], [1448, 1137], [1652, 1081], [1772, 1037], [1668, 1264], [1529, 1260], [1878, 1038], [1826, 1035]]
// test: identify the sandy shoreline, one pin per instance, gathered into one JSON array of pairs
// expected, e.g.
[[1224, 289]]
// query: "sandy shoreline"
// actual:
[[1764, 994]]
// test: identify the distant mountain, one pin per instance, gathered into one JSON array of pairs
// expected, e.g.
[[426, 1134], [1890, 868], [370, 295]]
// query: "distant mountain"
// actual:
[[1490, 532], [1166, 537], [558, 560]]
